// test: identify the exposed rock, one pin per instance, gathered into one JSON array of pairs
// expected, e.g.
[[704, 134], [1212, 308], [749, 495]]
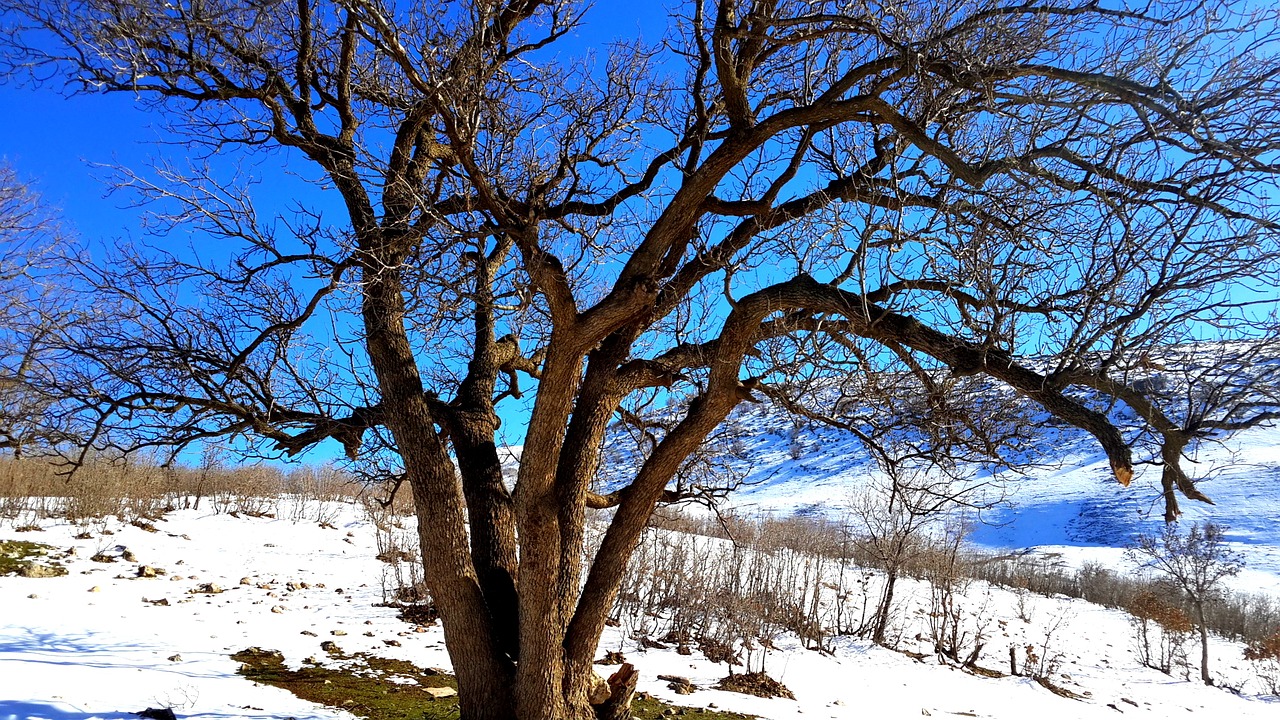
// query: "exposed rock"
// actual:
[[441, 692], [175, 658], [146, 571], [36, 570], [680, 685]]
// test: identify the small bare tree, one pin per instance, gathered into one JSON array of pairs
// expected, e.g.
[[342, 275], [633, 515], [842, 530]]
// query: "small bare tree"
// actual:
[[1197, 563]]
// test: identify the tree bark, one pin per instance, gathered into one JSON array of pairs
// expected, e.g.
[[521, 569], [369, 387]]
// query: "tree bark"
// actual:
[[484, 675]]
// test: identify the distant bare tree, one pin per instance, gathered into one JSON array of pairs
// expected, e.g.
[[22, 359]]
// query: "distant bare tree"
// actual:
[[29, 313], [1197, 563], [1033, 195]]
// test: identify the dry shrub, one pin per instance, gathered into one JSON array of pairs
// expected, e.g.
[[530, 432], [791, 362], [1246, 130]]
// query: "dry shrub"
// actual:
[[136, 488], [1265, 656], [757, 684], [1161, 630]]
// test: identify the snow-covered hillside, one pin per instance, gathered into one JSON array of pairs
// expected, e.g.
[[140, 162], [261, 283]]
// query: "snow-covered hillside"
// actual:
[[1063, 499], [102, 642]]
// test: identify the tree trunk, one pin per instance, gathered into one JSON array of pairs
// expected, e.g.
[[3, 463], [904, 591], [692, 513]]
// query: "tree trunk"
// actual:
[[483, 672], [882, 611], [492, 525], [1204, 643]]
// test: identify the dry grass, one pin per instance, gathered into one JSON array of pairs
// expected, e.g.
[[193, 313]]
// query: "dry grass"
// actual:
[[32, 490]]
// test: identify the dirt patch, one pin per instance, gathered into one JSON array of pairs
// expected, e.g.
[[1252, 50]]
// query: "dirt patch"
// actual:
[[757, 684]]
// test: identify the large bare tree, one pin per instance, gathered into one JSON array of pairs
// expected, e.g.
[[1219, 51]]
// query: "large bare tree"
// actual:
[[1044, 194]]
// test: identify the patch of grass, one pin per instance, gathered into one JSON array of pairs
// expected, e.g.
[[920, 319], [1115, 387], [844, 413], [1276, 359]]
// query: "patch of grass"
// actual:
[[363, 686], [366, 685], [18, 554], [647, 707]]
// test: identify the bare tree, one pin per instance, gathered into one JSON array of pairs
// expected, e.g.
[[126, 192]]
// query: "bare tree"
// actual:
[[30, 310], [1197, 563], [942, 189]]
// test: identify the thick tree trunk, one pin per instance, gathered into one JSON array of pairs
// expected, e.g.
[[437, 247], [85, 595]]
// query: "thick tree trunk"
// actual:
[[484, 673], [492, 525], [540, 692]]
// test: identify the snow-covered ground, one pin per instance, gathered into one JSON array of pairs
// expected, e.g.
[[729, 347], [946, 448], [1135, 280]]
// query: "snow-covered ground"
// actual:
[[93, 645]]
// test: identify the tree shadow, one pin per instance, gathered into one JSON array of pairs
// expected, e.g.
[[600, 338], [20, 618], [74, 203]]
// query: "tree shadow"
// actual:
[[10, 710]]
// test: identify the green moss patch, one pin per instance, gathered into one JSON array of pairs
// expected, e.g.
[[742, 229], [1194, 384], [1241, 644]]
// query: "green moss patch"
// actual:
[[365, 685], [384, 689], [21, 556]]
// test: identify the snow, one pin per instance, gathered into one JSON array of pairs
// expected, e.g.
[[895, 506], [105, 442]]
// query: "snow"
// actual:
[[69, 653]]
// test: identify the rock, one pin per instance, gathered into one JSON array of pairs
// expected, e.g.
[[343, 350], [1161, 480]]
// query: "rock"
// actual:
[[146, 571], [392, 643], [33, 596], [277, 609], [102, 558], [338, 633], [330, 646], [157, 714], [36, 570], [175, 658], [680, 685], [95, 588], [162, 602], [441, 692], [291, 586], [307, 632], [206, 589], [128, 556], [245, 581]]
